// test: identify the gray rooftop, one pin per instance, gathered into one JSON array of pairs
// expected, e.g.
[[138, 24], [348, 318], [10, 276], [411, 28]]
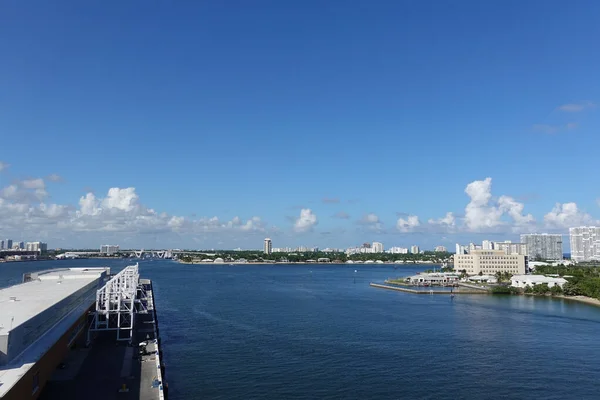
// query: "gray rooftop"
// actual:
[[19, 303]]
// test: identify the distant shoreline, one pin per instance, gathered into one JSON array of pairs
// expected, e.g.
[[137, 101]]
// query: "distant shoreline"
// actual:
[[304, 263]]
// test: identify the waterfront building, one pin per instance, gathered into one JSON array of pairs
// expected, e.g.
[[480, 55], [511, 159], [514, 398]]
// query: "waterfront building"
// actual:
[[489, 262], [109, 249], [268, 246], [522, 281], [414, 249], [585, 243], [41, 319], [487, 245], [8, 243], [543, 245], [440, 249], [398, 250], [2, 244], [377, 247]]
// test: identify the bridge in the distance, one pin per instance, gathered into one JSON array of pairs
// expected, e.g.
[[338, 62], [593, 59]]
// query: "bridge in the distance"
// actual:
[[153, 253]]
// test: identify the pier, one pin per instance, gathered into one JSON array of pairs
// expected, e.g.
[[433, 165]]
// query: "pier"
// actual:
[[121, 357], [458, 290]]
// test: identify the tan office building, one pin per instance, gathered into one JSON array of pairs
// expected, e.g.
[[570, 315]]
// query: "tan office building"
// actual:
[[488, 262]]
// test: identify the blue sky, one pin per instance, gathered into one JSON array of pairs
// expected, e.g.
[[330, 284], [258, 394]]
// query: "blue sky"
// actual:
[[261, 109]]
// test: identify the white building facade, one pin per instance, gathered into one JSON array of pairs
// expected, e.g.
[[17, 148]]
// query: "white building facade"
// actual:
[[543, 245], [268, 246], [109, 249], [585, 243], [522, 281], [488, 262]]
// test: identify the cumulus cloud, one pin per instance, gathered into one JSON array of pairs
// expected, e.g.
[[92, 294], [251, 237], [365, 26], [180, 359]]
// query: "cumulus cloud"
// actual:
[[25, 191], [483, 214], [576, 107], [566, 215], [408, 224], [448, 221], [306, 221], [371, 221]]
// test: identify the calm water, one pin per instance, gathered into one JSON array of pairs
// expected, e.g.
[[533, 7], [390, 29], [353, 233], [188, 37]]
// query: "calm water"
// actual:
[[319, 332]]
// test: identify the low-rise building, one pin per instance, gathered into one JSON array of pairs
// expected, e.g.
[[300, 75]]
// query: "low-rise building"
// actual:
[[488, 262], [435, 278], [522, 281]]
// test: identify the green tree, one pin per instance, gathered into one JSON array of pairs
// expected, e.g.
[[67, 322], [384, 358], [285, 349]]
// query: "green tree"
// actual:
[[528, 289], [542, 288], [556, 290]]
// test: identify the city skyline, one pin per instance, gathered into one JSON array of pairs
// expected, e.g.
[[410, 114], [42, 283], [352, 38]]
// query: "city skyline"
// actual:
[[407, 124]]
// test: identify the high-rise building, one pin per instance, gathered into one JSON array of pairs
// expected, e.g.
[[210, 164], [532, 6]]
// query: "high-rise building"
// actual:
[[488, 262], [414, 249], [511, 248], [398, 250], [1, 244], [487, 245], [440, 249], [109, 249], [543, 245], [268, 249], [8, 243], [585, 243], [36, 246], [377, 247]]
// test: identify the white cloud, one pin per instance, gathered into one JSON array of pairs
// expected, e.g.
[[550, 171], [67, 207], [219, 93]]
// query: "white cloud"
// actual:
[[306, 221], [566, 215], [25, 191], [371, 221], [576, 107], [3, 166], [447, 221], [483, 214], [408, 224]]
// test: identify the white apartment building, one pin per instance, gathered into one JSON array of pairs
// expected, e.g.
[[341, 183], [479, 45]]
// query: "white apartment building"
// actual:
[[487, 245], [377, 247], [398, 250], [488, 262], [544, 245], [109, 249], [414, 249], [268, 246], [440, 249], [511, 248], [36, 246], [585, 243]]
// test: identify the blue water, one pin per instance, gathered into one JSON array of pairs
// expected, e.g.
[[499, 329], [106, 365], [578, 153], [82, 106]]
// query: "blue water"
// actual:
[[320, 332]]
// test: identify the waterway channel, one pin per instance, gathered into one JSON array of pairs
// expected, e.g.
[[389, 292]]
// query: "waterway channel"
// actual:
[[321, 332]]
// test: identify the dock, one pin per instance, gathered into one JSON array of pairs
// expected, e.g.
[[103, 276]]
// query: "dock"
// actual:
[[104, 367], [458, 290]]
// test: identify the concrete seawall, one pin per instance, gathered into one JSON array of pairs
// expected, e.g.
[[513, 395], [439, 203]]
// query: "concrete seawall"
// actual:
[[432, 291]]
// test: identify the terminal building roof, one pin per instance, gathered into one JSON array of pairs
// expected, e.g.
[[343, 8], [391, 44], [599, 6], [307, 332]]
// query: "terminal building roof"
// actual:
[[21, 302]]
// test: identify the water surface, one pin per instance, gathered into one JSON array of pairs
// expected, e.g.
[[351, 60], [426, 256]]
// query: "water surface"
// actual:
[[320, 332]]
